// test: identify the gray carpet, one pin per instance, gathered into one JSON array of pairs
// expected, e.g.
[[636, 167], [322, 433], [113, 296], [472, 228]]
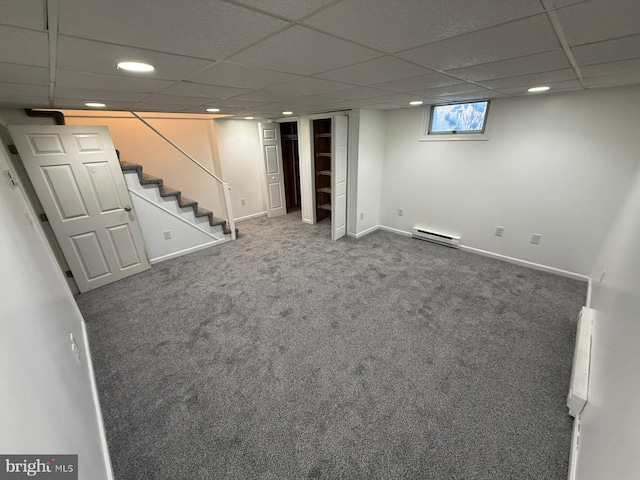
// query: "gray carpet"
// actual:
[[284, 355]]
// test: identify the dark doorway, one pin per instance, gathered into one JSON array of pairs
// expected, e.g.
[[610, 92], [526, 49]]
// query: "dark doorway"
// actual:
[[291, 165]]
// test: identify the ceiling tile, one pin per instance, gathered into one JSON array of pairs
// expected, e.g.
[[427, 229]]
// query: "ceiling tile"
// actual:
[[263, 96], [395, 25], [23, 101], [322, 52], [73, 79], [532, 79], [20, 90], [98, 57], [430, 80], [378, 70], [89, 95], [472, 96], [600, 20], [208, 29], [228, 74], [294, 9], [12, 73], [312, 100], [555, 87], [309, 86], [628, 78], [158, 107], [539, 62], [609, 51], [515, 39], [174, 100], [74, 103], [26, 47], [360, 93], [610, 68], [235, 103], [450, 90], [198, 90], [25, 13]]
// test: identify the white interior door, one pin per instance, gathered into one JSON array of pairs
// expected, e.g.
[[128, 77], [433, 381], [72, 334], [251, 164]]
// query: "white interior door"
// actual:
[[272, 152], [340, 136], [77, 176]]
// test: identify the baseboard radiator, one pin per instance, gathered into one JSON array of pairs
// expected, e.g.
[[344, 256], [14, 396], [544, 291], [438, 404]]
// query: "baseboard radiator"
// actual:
[[436, 237], [579, 385]]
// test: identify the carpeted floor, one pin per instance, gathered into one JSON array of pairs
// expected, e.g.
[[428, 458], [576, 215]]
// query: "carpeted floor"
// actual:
[[285, 355]]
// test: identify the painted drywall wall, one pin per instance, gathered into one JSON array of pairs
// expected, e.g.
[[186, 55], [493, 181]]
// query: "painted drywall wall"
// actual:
[[371, 151], [139, 144], [556, 164], [242, 165], [609, 423], [47, 400], [157, 216]]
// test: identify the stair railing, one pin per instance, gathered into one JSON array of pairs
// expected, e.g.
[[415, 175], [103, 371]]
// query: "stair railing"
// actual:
[[225, 186]]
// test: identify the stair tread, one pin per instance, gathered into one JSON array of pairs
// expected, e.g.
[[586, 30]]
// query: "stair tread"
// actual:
[[203, 212], [168, 191]]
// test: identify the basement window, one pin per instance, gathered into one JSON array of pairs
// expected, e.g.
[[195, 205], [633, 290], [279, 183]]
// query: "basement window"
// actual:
[[456, 121]]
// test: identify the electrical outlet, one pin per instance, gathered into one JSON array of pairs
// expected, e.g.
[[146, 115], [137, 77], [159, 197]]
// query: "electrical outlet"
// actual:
[[362, 216], [243, 201], [499, 231], [167, 234], [400, 212], [535, 238]]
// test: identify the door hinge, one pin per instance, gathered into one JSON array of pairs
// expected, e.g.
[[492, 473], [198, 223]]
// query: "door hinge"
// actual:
[[13, 149], [43, 217], [12, 180], [68, 274]]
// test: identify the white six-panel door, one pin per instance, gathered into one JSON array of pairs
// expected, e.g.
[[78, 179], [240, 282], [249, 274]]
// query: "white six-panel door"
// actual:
[[272, 153], [339, 177], [77, 177]]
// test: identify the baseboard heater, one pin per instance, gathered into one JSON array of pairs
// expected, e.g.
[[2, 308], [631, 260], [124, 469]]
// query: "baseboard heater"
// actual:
[[579, 385], [436, 237]]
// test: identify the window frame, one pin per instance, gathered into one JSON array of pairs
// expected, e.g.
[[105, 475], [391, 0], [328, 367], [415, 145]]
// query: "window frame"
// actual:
[[426, 135]]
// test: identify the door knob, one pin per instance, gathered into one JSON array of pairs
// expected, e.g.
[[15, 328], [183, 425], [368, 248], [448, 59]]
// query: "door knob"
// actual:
[[127, 209]]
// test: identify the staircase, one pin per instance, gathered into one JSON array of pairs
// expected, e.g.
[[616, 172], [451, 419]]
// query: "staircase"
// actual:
[[174, 224]]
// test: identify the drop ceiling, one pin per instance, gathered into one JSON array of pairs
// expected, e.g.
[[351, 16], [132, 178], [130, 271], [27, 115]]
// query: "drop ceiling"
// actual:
[[263, 57]]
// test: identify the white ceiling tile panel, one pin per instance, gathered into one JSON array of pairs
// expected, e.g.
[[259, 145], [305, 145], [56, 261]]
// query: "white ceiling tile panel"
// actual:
[[174, 100], [515, 39], [378, 70], [312, 100], [532, 79], [309, 86], [24, 13], [555, 87], [264, 96], [12, 73], [360, 93], [90, 95], [539, 62], [610, 68], [303, 51], [24, 90], [450, 90], [600, 20], [431, 80], [22, 46], [628, 78], [74, 103], [608, 51], [158, 107], [395, 25], [235, 103], [12, 100], [96, 81], [293, 9], [98, 57], [209, 29], [471, 97], [189, 89], [229, 74]]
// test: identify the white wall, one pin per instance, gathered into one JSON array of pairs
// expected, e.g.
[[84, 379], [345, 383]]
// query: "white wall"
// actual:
[[47, 402], [610, 422], [555, 164], [242, 165], [371, 151], [139, 144]]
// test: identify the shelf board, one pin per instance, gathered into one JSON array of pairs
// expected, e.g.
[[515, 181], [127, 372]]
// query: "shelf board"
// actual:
[[324, 172], [323, 135], [325, 206], [323, 154], [324, 190]]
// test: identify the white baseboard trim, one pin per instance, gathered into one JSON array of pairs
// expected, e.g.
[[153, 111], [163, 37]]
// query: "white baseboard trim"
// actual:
[[307, 221], [365, 232], [197, 248], [96, 403], [573, 454], [525, 263], [247, 217], [394, 230]]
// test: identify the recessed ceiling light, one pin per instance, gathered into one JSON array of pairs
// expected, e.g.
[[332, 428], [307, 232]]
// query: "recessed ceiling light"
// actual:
[[248, 118], [287, 113], [136, 67], [213, 109], [416, 102], [95, 105], [538, 89]]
